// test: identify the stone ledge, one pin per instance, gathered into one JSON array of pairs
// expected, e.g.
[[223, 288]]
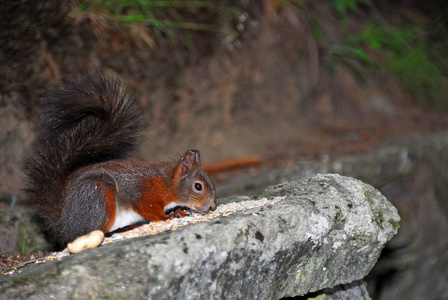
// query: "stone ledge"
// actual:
[[325, 231]]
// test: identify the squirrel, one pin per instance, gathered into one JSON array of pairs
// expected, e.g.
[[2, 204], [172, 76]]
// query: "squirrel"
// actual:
[[81, 175]]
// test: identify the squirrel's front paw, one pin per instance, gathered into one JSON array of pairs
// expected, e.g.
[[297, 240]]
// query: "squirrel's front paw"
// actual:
[[179, 213]]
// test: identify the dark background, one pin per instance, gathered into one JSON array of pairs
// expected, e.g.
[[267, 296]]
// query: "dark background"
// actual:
[[275, 81]]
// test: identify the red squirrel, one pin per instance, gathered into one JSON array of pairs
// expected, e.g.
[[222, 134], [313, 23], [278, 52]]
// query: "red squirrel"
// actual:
[[81, 177]]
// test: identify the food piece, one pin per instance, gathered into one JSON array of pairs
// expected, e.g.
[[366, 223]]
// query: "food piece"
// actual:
[[88, 241]]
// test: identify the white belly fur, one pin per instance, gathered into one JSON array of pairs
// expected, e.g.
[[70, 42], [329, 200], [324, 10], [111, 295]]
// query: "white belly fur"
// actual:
[[124, 218]]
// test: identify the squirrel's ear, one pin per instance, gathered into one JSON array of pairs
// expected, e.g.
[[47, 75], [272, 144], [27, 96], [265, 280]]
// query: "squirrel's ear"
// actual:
[[188, 161]]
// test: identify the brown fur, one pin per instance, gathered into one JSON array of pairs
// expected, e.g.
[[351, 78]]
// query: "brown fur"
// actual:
[[81, 173]]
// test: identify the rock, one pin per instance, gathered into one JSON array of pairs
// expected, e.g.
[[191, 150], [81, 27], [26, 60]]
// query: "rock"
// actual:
[[379, 168], [412, 173], [315, 234], [19, 230], [355, 290], [15, 138]]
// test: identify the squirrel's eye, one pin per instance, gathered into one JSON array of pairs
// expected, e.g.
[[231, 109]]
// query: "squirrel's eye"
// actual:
[[198, 186]]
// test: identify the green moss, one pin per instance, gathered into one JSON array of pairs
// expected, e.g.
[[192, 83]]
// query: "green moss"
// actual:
[[339, 217], [368, 197], [394, 224], [379, 219], [265, 195], [282, 220]]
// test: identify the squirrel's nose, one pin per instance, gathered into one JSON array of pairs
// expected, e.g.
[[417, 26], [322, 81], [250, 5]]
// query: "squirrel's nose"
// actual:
[[212, 206]]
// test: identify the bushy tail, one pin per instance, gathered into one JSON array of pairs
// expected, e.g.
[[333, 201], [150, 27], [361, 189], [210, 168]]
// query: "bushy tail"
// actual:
[[86, 121]]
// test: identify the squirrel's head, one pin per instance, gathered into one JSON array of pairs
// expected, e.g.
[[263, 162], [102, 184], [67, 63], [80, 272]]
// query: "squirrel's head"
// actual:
[[194, 187]]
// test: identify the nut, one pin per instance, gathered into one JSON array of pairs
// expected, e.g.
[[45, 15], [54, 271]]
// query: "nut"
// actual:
[[88, 241]]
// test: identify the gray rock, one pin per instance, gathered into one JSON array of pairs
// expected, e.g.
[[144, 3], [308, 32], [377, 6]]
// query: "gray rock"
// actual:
[[325, 231], [412, 173], [354, 290], [19, 231], [378, 168]]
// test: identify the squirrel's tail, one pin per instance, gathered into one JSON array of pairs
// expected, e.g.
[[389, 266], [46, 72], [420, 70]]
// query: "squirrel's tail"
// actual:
[[86, 121]]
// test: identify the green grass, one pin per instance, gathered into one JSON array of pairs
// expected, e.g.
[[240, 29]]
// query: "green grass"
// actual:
[[406, 54], [405, 51], [344, 7], [166, 21]]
